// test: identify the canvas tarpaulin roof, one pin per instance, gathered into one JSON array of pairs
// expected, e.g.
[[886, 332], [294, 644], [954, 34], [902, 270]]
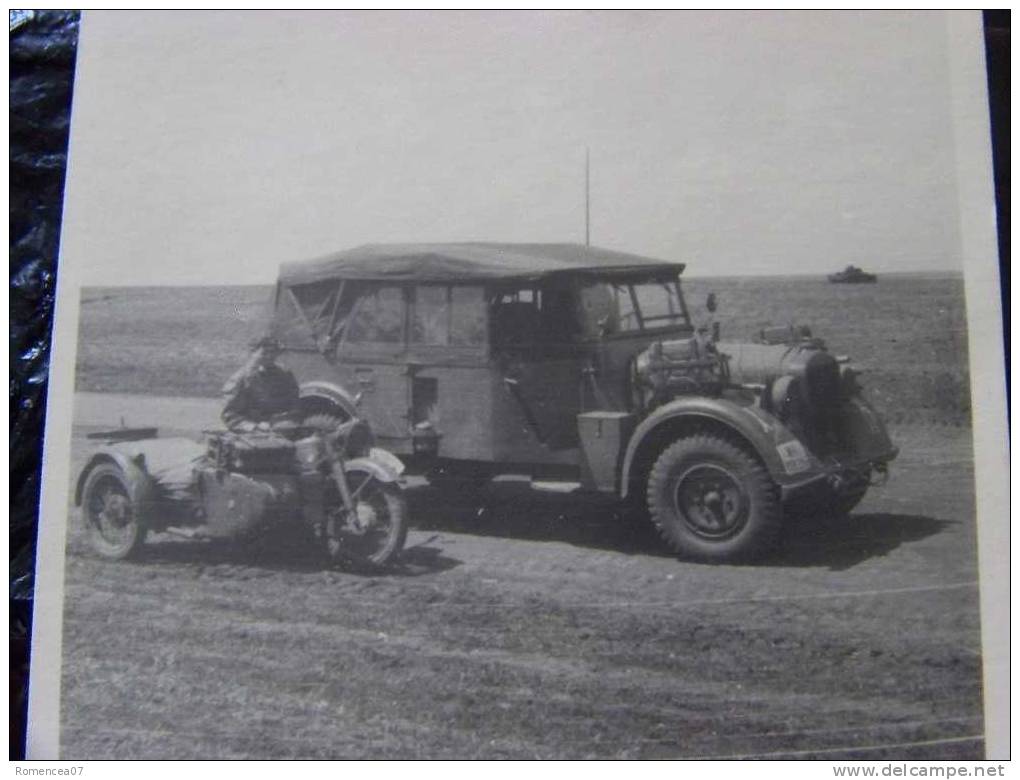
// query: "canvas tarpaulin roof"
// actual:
[[467, 261]]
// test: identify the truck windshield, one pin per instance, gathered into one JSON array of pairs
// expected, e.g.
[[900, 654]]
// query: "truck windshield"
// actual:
[[624, 307]]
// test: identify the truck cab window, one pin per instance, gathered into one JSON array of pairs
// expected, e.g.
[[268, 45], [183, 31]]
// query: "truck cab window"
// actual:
[[515, 317], [430, 319], [448, 316], [467, 318], [378, 317], [542, 317]]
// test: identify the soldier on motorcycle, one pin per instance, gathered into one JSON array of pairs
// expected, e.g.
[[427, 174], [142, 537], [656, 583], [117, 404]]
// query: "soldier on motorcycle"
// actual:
[[261, 395]]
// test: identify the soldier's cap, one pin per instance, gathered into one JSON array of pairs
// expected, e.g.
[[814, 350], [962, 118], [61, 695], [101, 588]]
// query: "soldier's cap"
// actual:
[[267, 342]]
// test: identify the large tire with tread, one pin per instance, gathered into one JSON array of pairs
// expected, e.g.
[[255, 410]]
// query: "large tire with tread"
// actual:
[[115, 531], [377, 535], [712, 500]]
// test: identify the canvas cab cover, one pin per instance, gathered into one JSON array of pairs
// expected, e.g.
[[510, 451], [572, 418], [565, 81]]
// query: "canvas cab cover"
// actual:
[[313, 297], [465, 262]]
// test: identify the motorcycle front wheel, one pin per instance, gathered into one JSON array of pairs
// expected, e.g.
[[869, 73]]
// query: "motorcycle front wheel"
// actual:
[[373, 535]]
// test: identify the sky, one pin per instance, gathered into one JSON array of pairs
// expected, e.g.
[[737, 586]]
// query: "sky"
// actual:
[[209, 147]]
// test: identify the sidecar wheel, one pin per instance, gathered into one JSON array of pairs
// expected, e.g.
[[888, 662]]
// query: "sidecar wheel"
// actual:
[[111, 518], [376, 536]]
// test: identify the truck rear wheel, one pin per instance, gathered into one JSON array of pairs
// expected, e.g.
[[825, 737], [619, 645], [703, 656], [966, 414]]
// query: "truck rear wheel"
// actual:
[[712, 500]]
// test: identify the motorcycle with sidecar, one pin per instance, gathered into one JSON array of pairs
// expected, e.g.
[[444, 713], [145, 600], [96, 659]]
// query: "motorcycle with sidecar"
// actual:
[[334, 484]]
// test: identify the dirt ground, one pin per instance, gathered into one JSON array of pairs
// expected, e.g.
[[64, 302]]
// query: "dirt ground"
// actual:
[[536, 624]]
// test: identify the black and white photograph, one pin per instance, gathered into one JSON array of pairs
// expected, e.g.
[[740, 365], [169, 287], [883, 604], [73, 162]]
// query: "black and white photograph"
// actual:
[[525, 385]]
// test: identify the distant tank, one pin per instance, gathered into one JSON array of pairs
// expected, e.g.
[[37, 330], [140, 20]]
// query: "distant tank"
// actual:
[[852, 275]]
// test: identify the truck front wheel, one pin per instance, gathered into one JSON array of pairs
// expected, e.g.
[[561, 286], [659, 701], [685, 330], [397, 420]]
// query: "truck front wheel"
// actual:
[[712, 500]]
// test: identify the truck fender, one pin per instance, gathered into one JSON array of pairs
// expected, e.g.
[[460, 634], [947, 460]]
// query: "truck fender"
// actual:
[[315, 395], [140, 482], [787, 460], [385, 469]]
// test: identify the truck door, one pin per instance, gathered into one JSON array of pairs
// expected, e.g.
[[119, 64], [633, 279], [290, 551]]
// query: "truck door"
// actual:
[[543, 365]]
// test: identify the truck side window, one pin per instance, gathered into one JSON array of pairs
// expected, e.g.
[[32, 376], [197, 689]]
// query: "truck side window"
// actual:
[[430, 320], [558, 316], [515, 316], [325, 308], [545, 317], [627, 315], [378, 317], [467, 316], [597, 309], [448, 316]]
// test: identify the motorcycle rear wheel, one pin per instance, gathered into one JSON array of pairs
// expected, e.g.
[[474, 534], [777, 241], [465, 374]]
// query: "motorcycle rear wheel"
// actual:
[[376, 534]]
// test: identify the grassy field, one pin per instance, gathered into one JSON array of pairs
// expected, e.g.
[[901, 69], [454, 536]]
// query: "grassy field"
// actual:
[[908, 332], [166, 340]]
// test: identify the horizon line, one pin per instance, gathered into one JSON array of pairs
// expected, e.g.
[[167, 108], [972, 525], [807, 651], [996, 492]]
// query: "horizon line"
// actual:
[[684, 276]]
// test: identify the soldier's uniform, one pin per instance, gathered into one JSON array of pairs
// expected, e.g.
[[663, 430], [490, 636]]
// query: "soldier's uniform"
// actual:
[[259, 395]]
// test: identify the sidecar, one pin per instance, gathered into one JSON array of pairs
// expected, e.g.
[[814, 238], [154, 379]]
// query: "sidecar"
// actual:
[[234, 486]]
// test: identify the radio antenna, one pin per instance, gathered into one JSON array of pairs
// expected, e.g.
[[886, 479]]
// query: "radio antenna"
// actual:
[[587, 196]]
